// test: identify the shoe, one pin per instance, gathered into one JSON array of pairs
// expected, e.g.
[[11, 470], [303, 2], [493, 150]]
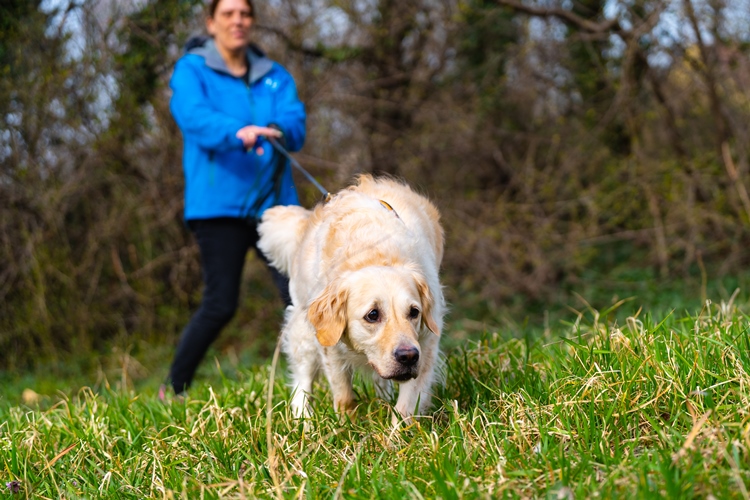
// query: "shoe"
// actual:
[[162, 395]]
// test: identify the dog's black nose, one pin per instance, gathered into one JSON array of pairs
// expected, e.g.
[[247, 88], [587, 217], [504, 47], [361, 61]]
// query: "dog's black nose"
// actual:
[[407, 355]]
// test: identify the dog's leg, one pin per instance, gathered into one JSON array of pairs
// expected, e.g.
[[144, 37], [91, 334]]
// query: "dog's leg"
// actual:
[[300, 347], [419, 391], [339, 375]]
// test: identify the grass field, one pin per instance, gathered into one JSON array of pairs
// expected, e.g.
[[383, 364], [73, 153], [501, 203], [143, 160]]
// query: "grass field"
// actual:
[[642, 407]]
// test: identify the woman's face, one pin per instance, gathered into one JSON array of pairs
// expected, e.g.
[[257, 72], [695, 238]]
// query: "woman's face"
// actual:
[[230, 25]]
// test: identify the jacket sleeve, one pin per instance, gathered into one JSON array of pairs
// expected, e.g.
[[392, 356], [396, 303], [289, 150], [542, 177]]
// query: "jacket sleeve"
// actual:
[[198, 120], [289, 113]]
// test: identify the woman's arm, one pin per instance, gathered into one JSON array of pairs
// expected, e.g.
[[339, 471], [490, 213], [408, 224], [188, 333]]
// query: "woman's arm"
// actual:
[[198, 120], [289, 113]]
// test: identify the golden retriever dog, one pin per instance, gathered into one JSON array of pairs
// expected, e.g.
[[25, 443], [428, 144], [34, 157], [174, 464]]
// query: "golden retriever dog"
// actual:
[[363, 277]]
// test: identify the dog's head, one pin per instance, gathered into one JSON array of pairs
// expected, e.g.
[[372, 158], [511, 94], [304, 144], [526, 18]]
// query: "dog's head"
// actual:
[[379, 312]]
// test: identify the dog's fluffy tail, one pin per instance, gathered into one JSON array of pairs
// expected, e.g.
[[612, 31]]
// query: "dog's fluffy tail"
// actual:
[[281, 230]]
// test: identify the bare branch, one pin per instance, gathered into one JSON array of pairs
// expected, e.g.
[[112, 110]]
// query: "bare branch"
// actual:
[[610, 25], [320, 51]]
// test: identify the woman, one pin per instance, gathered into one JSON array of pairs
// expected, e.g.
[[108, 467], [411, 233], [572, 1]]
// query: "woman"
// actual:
[[228, 98]]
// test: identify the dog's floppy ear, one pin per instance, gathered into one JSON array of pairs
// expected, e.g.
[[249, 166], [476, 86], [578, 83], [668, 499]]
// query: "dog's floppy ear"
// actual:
[[327, 313], [428, 303]]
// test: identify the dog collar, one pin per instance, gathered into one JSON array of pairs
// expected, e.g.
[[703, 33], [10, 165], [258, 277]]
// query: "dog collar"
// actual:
[[389, 207]]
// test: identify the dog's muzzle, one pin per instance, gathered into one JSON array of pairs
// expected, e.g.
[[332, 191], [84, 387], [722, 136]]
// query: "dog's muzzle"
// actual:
[[403, 376], [406, 358]]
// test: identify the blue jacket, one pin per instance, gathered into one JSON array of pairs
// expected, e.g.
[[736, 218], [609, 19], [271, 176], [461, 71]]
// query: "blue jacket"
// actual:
[[210, 105]]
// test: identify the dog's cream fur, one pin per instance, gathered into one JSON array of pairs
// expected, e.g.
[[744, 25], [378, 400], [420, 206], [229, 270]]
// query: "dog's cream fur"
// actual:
[[364, 283]]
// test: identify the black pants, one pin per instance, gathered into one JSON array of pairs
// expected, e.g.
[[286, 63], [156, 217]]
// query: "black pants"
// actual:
[[223, 244]]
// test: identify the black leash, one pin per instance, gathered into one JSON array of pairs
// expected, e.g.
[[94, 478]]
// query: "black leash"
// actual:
[[278, 147]]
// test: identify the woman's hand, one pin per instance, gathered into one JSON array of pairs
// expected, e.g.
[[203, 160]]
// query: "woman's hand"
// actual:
[[249, 136]]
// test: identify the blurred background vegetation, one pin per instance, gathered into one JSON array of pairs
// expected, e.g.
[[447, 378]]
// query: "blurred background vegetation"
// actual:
[[572, 146]]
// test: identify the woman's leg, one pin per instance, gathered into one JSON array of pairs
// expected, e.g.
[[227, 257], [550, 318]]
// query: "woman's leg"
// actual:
[[223, 247], [281, 281]]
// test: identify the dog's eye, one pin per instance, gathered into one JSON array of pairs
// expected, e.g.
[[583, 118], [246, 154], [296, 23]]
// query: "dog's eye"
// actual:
[[372, 316], [413, 313]]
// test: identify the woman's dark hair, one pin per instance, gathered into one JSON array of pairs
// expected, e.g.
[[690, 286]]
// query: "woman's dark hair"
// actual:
[[215, 3]]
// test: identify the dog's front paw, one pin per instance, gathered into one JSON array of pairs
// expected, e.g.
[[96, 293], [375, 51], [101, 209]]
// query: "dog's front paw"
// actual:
[[398, 418], [345, 406], [301, 405]]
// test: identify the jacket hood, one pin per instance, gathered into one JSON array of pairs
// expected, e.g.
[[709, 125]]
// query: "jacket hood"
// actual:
[[205, 47]]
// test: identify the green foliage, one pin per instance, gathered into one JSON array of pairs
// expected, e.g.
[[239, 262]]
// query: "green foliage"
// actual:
[[489, 31], [654, 406], [488, 34], [593, 70], [148, 35], [588, 58], [338, 54], [15, 16]]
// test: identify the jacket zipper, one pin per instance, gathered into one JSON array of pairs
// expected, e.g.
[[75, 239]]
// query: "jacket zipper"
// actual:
[[252, 120]]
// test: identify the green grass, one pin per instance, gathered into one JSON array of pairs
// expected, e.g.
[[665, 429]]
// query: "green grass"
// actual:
[[650, 407]]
